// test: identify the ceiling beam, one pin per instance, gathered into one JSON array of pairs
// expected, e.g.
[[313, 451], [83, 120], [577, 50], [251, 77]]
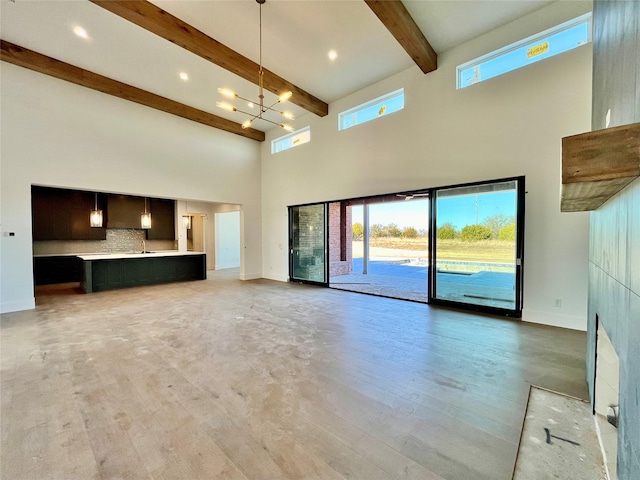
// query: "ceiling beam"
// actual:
[[394, 16], [37, 62], [156, 20]]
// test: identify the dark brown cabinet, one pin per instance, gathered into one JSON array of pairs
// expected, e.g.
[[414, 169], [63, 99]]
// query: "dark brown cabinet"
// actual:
[[59, 214], [162, 219], [50, 214], [125, 211], [81, 205]]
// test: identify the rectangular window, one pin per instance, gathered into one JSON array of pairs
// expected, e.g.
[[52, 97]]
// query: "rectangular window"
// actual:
[[291, 140], [378, 107], [553, 41]]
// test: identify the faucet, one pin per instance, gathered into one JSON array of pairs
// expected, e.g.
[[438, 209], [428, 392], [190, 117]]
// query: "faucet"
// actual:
[[144, 247]]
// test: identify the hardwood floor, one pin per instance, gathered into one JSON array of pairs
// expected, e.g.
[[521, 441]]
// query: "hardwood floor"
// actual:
[[223, 379]]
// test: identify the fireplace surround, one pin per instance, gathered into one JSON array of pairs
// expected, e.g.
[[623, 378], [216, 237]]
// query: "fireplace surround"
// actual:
[[614, 243], [614, 310]]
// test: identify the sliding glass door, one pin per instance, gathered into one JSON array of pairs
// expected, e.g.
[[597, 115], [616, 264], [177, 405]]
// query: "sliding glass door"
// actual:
[[308, 244], [477, 247]]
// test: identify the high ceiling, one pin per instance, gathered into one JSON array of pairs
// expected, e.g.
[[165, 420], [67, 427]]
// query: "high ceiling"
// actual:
[[297, 36]]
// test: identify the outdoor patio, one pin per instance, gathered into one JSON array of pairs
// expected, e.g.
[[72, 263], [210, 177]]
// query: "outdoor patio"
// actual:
[[407, 279]]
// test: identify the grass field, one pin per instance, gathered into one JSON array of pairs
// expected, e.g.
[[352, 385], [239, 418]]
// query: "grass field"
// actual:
[[486, 251]]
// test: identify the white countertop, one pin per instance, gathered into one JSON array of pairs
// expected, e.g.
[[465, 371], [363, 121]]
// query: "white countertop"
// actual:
[[116, 256]]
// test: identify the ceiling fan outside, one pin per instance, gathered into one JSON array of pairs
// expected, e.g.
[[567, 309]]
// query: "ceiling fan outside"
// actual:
[[411, 196]]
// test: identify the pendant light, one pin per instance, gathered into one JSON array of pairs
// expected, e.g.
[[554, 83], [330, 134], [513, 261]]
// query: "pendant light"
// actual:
[[262, 108], [186, 219], [145, 218], [95, 217]]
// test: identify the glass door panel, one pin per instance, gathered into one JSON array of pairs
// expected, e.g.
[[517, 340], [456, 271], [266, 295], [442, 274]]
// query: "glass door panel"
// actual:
[[477, 251], [308, 243]]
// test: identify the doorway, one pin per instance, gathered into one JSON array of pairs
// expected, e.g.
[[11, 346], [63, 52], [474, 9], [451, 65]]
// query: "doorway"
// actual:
[[388, 240], [196, 233]]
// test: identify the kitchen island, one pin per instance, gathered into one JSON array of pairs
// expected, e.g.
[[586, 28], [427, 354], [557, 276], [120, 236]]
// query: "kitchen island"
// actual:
[[123, 270]]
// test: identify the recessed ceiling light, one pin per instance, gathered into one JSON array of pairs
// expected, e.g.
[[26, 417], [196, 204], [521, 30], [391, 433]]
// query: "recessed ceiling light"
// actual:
[[333, 55], [81, 32], [184, 76]]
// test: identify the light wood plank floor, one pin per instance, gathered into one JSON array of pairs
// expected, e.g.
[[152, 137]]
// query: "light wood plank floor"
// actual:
[[223, 379]]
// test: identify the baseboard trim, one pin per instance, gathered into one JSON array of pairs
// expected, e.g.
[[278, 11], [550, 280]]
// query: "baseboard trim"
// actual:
[[226, 265], [250, 276], [278, 278], [571, 322]]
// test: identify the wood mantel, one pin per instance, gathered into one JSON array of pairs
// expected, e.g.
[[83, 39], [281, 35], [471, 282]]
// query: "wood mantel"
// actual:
[[597, 165]]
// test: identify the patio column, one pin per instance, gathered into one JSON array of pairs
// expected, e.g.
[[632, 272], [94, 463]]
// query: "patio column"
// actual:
[[365, 239]]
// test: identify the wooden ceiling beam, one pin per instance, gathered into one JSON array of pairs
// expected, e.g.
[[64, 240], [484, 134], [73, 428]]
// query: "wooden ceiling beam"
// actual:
[[158, 21], [37, 62], [394, 15]]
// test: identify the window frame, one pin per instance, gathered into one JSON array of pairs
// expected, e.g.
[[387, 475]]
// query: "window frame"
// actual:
[[531, 40], [293, 134], [342, 116]]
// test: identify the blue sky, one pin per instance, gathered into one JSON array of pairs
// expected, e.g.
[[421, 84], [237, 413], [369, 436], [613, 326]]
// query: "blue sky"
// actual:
[[459, 210], [404, 214]]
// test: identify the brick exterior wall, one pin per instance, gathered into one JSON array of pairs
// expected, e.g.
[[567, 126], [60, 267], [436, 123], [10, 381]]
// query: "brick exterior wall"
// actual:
[[339, 242]]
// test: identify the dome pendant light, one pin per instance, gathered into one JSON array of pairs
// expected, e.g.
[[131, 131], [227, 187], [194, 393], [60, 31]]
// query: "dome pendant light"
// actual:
[[95, 217]]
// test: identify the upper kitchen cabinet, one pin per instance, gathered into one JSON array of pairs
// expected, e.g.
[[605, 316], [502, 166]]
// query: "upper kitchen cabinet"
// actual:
[[81, 205], [50, 214], [162, 219], [125, 211], [59, 214]]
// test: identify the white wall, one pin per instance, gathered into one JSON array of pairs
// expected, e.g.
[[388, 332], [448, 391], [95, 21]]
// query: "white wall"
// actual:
[[227, 226], [508, 126], [58, 134]]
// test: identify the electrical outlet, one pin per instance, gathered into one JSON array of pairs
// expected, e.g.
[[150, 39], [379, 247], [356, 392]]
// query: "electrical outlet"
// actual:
[[558, 302]]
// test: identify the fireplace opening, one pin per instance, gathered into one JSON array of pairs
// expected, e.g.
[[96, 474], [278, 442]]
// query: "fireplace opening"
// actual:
[[606, 396]]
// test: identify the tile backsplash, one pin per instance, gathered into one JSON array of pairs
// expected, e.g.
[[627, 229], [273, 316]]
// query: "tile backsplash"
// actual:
[[118, 240]]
